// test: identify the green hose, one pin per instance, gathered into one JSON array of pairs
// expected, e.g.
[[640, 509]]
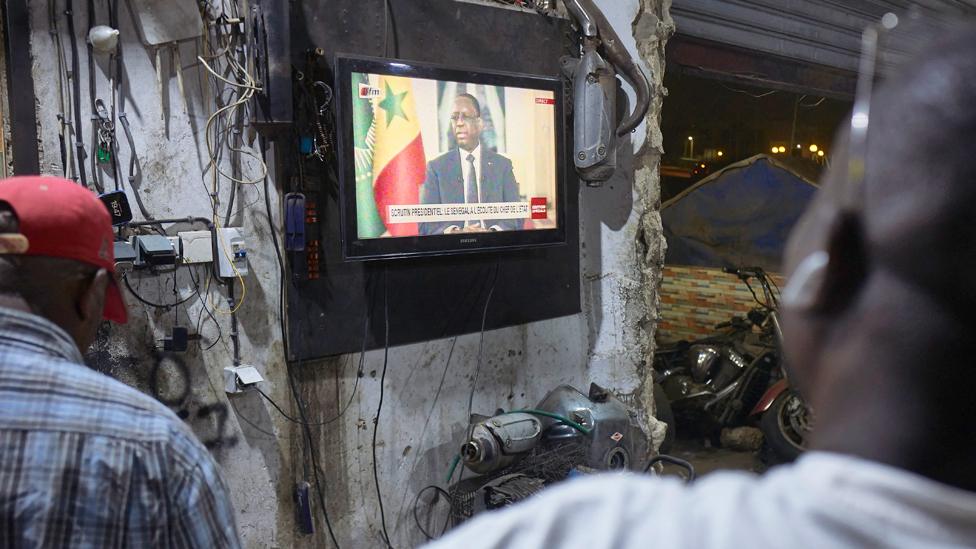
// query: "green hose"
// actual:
[[454, 464], [562, 419]]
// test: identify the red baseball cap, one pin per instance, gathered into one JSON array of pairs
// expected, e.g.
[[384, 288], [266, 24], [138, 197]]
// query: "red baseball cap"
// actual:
[[60, 218]]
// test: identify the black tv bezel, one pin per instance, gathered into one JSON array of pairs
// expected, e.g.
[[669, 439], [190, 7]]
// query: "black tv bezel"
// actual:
[[364, 249]]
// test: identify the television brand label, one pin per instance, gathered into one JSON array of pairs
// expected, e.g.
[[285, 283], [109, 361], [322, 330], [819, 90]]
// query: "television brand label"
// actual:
[[469, 241], [544, 101], [539, 208], [368, 92]]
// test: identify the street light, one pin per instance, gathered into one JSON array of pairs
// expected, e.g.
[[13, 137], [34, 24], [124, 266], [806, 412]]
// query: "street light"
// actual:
[[813, 148], [691, 147], [820, 153], [720, 153]]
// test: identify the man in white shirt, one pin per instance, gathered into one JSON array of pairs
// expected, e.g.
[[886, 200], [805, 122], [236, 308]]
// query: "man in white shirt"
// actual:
[[878, 319]]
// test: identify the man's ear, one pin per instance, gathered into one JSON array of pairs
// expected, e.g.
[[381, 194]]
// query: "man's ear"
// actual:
[[91, 297], [828, 280]]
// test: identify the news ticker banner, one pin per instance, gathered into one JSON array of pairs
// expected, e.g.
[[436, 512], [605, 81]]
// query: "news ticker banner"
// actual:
[[536, 208]]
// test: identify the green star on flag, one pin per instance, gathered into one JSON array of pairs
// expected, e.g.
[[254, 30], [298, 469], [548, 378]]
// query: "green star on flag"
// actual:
[[393, 105]]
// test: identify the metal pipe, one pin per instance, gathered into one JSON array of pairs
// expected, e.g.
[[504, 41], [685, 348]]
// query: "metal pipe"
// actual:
[[617, 55]]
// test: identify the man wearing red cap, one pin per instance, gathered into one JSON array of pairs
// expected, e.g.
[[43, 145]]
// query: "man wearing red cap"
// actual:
[[85, 461]]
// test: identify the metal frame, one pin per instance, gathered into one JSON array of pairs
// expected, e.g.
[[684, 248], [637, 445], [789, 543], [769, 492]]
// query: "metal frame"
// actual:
[[23, 118]]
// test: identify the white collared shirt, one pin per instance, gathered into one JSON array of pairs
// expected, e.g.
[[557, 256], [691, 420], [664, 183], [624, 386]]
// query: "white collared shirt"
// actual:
[[823, 500]]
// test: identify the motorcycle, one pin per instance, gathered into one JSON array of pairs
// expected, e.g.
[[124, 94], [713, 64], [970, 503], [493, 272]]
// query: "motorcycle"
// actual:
[[736, 376]]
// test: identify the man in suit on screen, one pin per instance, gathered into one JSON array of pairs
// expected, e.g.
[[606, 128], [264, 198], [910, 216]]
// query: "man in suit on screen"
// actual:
[[469, 174]]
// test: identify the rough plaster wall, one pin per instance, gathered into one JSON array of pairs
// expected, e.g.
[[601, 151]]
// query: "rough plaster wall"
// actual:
[[172, 157], [428, 385]]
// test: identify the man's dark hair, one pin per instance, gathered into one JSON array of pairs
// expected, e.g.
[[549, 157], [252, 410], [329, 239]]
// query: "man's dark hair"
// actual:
[[474, 101]]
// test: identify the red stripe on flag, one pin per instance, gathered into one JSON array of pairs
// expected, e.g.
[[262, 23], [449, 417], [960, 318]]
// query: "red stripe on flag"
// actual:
[[399, 183]]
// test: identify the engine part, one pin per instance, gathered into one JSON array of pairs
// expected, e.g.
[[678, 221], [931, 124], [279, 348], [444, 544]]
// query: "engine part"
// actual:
[[594, 142], [616, 440], [594, 84], [498, 441]]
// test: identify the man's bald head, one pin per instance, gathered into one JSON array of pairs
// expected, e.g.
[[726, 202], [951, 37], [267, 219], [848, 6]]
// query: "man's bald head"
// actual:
[[920, 191], [877, 313]]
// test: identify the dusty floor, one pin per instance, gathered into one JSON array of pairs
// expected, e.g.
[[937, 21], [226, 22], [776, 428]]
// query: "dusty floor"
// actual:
[[708, 459]]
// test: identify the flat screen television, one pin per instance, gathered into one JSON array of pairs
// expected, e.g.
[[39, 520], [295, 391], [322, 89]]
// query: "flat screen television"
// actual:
[[443, 160]]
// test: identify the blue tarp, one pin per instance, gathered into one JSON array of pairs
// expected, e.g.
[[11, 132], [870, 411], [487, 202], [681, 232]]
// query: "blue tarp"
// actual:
[[739, 216]]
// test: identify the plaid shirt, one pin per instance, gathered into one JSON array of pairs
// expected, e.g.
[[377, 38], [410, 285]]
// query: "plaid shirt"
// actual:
[[86, 461]]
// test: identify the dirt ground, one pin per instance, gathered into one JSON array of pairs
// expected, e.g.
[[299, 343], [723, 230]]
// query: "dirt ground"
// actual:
[[708, 459]]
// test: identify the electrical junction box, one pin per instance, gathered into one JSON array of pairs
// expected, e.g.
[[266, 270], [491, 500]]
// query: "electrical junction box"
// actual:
[[153, 250], [231, 254], [197, 246], [238, 378], [125, 257]]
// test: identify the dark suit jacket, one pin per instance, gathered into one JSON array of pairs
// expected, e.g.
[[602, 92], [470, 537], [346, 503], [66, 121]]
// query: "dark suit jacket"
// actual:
[[444, 184]]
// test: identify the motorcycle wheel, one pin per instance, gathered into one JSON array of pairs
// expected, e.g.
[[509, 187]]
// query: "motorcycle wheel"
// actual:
[[663, 412], [785, 426]]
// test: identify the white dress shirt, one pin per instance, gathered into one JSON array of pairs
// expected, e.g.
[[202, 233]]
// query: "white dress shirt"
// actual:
[[824, 501]]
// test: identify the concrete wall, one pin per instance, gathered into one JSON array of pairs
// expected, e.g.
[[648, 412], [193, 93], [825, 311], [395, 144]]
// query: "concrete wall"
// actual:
[[427, 385]]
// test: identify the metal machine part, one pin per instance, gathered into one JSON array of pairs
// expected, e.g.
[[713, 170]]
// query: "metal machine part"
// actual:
[[617, 440], [594, 142], [498, 441], [703, 359], [594, 83]]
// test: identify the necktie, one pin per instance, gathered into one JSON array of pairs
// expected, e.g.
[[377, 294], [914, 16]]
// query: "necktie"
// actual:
[[471, 186], [471, 183]]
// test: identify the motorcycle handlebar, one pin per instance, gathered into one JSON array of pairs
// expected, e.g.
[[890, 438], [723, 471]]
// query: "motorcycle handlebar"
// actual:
[[744, 271]]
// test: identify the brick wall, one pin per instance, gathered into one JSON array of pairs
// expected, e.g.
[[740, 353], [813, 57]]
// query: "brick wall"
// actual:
[[695, 299]]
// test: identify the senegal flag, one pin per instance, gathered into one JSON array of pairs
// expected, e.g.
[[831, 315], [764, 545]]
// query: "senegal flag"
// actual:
[[368, 219], [399, 164]]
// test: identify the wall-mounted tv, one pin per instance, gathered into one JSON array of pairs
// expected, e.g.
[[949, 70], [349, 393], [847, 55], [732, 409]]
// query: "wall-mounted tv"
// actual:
[[442, 160]]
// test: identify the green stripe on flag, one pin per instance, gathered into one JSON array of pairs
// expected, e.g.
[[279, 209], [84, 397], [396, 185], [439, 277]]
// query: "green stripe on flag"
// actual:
[[364, 139]]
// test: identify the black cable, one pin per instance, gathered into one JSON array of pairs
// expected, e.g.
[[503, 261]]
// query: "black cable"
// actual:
[[481, 346], [662, 458], [416, 501], [309, 443], [311, 449], [144, 301], [205, 309], [477, 372], [379, 406], [96, 174], [76, 84]]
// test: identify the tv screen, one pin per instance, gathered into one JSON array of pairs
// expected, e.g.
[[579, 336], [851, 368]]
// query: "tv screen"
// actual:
[[440, 160]]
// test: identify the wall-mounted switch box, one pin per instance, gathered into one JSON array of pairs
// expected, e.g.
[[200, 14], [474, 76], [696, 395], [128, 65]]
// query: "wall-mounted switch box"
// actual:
[[238, 378], [153, 250], [231, 254], [197, 246]]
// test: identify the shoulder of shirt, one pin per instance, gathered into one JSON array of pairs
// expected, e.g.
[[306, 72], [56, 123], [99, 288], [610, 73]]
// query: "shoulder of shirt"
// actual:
[[80, 399]]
